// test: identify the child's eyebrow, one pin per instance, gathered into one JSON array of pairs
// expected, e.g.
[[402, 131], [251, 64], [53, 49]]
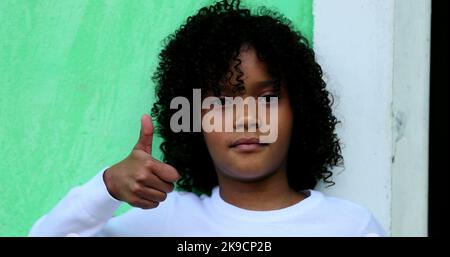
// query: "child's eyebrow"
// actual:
[[258, 85], [265, 83]]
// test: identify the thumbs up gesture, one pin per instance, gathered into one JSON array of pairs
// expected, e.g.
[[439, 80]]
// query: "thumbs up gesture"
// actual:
[[139, 179]]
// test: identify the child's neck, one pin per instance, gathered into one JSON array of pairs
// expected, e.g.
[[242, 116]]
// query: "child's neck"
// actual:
[[271, 193]]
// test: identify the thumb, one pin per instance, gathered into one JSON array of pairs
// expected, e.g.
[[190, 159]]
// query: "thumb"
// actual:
[[146, 135]]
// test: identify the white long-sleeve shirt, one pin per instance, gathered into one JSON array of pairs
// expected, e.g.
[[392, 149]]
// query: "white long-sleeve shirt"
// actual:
[[87, 210]]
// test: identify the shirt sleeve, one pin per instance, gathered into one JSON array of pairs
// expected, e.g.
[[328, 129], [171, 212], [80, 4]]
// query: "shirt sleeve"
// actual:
[[82, 212], [372, 228]]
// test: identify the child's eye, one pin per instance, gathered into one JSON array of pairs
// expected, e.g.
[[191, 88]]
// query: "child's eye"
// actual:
[[267, 98], [224, 100]]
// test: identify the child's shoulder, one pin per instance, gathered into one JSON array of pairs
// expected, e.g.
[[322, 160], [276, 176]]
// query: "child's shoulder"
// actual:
[[345, 215], [338, 205], [343, 204], [180, 197], [344, 210]]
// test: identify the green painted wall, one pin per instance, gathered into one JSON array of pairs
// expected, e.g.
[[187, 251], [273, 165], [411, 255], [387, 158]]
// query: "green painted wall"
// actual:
[[74, 81]]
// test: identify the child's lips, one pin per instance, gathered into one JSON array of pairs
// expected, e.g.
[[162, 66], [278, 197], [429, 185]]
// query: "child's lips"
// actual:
[[247, 145]]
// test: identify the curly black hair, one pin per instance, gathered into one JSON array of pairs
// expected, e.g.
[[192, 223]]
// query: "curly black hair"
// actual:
[[198, 55]]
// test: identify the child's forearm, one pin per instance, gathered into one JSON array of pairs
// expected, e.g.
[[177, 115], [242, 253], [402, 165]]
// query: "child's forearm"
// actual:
[[84, 211]]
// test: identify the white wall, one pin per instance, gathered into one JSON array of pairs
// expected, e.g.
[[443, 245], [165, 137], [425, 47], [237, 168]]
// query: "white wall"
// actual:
[[363, 47], [410, 110]]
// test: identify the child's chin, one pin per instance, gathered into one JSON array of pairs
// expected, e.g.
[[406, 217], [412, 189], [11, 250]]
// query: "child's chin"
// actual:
[[251, 175]]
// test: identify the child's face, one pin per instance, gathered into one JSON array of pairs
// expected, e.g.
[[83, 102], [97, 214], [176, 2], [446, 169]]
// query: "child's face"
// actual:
[[251, 162]]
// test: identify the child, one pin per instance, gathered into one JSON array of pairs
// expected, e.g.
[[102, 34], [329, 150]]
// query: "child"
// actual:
[[229, 183]]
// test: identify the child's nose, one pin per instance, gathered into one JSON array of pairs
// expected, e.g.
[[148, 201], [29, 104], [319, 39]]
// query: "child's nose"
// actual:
[[247, 121]]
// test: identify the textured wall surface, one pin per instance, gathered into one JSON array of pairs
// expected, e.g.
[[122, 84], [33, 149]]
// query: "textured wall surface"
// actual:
[[74, 81], [375, 57]]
